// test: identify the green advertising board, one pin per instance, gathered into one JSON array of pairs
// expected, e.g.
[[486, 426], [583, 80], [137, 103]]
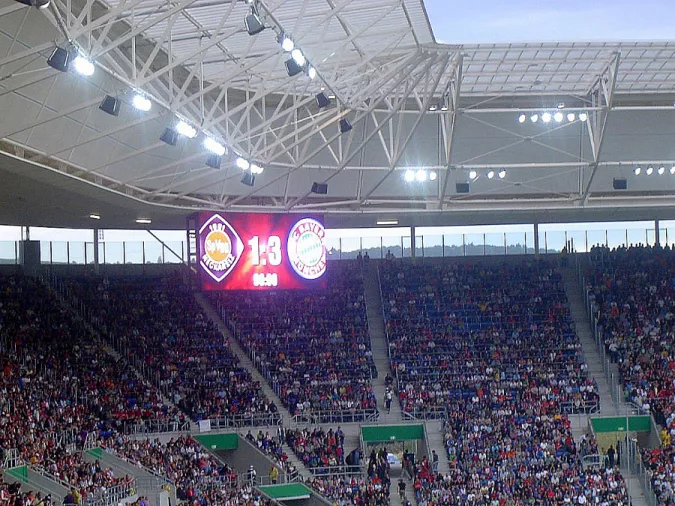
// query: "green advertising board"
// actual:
[[641, 423], [383, 433], [219, 441]]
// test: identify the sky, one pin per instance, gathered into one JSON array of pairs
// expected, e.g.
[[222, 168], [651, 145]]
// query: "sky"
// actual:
[[486, 21]]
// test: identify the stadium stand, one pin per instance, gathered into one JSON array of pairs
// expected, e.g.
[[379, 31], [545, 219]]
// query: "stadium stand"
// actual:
[[320, 451], [314, 350], [359, 491], [273, 448], [159, 321], [634, 292]]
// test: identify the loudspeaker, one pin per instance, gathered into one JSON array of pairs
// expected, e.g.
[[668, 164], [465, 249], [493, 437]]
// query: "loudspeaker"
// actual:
[[170, 137], [320, 188], [322, 100], [345, 126], [110, 105], [462, 187], [248, 179], [620, 184], [253, 24], [292, 67]]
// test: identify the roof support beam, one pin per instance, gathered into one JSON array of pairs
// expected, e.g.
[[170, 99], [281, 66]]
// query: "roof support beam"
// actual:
[[448, 122]]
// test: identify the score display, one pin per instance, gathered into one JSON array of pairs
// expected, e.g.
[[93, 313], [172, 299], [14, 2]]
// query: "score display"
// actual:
[[261, 251]]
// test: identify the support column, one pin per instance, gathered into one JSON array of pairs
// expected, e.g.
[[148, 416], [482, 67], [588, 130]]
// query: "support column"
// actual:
[[536, 239], [657, 233], [96, 259], [412, 242]]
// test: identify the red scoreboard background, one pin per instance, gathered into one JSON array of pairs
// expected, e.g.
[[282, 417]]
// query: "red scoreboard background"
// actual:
[[261, 251]]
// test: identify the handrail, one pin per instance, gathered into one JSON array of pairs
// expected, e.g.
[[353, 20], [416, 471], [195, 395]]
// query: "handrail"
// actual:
[[11, 458], [244, 420], [316, 417], [427, 413], [155, 426]]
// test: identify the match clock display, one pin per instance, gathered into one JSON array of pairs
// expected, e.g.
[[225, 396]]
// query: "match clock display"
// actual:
[[261, 251]]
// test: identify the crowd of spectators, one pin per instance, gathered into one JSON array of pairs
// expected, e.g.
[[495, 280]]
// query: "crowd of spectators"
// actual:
[[273, 448], [11, 495], [160, 322], [472, 334], [352, 490], [634, 292], [320, 451], [313, 348]]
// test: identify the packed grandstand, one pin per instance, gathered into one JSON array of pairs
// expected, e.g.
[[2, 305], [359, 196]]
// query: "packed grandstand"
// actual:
[[487, 351]]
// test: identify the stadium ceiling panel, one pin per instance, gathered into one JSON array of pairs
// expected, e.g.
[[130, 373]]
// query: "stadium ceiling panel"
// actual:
[[400, 103]]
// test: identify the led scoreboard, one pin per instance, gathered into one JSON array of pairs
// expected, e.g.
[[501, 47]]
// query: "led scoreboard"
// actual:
[[261, 251]]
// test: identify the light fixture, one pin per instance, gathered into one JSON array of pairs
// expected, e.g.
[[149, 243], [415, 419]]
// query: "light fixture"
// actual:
[[170, 137], [444, 107], [583, 116], [561, 105], [95, 216], [387, 222], [473, 174], [322, 100], [256, 169], [214, 146], [253, 23], [522, 118], [83, 66], [409, 175], [186, 130], [433, 107], [672, 169], [571, 117], [40, 4], [214, 161], [242, 163], [141, 103], [649, 170], [292, 67], [299, 58], [534, 118], [59, 59], [311, 72], [637, 170], [345, 125], [491, 174], [662, 170], [421, 175], [502, 174], [110, 105], [144, 221], [558, 117], [546, 117], [248, 178], [287, 44], [433, 175]]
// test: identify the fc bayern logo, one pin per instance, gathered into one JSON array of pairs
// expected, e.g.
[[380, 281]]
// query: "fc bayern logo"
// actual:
[[221, 247], [306, 248]]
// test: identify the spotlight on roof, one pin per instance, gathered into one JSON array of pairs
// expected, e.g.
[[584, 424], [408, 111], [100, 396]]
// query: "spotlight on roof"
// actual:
[[561, 105], [546, 117], [322, 100], [141, 103], [186, 130], [444, 106], [40, 4], [409, 175], [433, 175], [110, 105], [473, 174], [502, 174], [214, 146], [253, 23], [144, 221], [649, 171], [583, 116], [672, 169], [345, 126], [292, 67], [170, 137], [214, 161], [433, 107], [534, 118], [242, 163], [248, 178], [95, 216], [287, 44], [299, 58], [637, 170], [490, 174], [522, 118], [311, 72], [59, 59], [571, 117], [421, 175], [83, 66], [662, 170], [558, 117], [256, 169]]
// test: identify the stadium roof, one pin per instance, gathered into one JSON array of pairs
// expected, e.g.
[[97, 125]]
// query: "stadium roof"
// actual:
[[412, 103]]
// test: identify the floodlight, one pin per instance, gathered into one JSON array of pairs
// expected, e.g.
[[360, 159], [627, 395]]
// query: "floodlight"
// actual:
[[558, 117], [649, 170], [242, 163], [522, 118], [186, 130], [534, 118], [637, 170], [311, 72], [433, 175], [299, 58], [502, 174], [672, 169], [287, 44], [214, 146], [491, 174], [571, 117], [546, 117], [141, 103], [409, 175], [83, 66], [662, 170], [421, 175], [473, 174], [256, 169], [583, 116]]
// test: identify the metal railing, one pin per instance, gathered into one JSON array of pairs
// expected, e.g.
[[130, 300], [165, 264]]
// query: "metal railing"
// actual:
[[427, 413], [11, 458], [316, 417], [244, 420], [594, 460], [154, 426]]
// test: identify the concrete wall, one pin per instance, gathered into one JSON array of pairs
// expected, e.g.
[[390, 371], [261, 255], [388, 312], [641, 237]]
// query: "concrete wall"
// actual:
[[245, 455]]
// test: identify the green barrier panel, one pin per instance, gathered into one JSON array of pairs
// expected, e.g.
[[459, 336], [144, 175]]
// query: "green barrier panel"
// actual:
[[96, 453], [286, 492], [20, 473], [219, 441], [381, 433], [618, 424]]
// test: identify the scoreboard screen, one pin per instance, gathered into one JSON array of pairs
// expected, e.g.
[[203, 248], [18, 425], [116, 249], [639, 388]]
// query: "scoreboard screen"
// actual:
[[253, 251]]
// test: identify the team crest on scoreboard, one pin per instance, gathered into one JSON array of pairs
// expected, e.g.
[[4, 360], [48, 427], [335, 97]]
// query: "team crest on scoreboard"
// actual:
[[307, 249], [221, 247]]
